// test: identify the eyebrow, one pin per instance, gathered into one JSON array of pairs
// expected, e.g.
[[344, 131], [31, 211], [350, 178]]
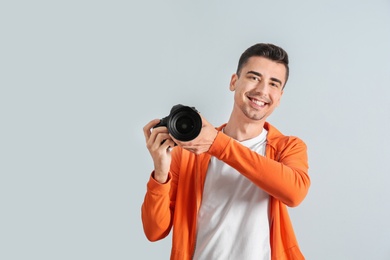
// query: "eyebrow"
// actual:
[[260, 75]]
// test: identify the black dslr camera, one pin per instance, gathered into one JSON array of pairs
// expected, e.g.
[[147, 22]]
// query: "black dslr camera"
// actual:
[[184, 123]]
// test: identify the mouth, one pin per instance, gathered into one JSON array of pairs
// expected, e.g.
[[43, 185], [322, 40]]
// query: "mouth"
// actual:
[[257, 103]]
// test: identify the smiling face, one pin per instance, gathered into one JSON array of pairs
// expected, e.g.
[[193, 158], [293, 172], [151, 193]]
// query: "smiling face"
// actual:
[[258, 89]]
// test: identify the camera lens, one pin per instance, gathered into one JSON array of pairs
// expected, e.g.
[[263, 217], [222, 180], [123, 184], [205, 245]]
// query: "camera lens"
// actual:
[[185, 124]]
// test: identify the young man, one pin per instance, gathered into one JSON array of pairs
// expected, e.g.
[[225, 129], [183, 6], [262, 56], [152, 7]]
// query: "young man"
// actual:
[[225, 192]]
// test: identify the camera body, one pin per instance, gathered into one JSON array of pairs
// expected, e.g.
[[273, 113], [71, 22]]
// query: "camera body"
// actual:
[[183, 122]]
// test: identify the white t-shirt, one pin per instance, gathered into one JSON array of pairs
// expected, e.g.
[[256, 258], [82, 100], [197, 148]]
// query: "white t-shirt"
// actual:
[[233, 220]]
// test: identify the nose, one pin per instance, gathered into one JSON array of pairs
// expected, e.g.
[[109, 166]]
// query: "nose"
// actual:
[[262, 88]]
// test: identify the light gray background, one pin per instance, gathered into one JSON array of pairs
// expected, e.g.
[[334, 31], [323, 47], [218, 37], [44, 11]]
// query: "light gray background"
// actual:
[[79, 80]]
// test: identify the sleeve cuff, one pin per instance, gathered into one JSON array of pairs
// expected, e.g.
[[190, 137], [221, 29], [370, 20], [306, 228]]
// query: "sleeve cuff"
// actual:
[[159, 188], [219, 144]]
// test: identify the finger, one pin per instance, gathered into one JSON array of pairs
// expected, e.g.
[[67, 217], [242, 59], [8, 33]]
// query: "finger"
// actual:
[[160, 140], [168, 143], [175, 140], [204, 121], [147, 128], [156, 138]]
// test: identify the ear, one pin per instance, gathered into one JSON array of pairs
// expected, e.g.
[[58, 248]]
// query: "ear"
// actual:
[[233, 81]]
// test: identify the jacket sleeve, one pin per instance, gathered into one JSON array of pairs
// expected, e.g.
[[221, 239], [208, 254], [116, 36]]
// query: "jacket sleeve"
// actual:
[[159, 204], [285, 178]]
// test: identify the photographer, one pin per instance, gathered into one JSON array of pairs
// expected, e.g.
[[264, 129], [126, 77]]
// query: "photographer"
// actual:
[[225, 192]]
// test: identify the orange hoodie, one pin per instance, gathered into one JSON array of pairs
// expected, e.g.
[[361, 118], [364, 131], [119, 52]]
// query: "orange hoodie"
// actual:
[[282, 173]]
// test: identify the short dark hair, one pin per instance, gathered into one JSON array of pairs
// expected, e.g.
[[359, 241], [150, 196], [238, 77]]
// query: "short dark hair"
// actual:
[[266, 50]]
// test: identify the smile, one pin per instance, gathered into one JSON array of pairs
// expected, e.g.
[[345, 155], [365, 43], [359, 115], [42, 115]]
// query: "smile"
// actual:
[[257, 103]]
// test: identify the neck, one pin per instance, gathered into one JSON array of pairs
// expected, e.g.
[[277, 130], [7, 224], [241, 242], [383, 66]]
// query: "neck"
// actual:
[[242, 130]]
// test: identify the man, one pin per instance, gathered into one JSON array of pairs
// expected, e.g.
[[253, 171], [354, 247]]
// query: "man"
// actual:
[[225, 192]]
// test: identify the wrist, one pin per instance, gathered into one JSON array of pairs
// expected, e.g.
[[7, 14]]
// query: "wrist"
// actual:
[[160, 177]]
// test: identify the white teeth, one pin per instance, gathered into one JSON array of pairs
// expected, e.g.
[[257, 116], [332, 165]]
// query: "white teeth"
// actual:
[[257, 102]]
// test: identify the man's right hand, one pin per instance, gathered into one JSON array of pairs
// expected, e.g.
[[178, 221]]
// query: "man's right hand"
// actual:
[[158, 143]]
